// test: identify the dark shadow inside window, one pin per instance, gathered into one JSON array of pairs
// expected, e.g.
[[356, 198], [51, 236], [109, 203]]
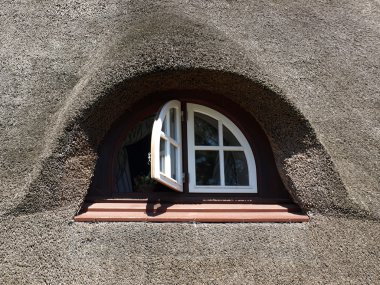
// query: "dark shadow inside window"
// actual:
[[133, 161]]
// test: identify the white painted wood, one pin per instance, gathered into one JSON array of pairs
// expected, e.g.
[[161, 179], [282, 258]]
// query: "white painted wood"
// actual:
[[226, 148], [164, 176], [221, 153]]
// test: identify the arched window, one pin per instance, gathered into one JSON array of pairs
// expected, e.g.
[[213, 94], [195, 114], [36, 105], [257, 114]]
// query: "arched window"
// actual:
[[187, 156], [220, 159]]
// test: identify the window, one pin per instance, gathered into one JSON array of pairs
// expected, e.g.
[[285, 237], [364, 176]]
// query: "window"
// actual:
[[219, 157], [203, 144], [201, 158]]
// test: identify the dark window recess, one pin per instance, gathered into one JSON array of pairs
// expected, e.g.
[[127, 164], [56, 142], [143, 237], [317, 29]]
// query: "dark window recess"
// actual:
[[123, 180]]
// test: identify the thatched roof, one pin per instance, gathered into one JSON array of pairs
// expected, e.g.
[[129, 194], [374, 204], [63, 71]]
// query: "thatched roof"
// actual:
[[307, 71]]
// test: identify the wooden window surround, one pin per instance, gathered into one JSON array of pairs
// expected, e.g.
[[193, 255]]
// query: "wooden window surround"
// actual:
[[256, 195]]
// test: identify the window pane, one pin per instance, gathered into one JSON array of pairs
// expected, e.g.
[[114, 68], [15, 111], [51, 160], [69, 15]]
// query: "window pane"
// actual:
[[173, 129], [162, 155], [173, 161], [228, 138], [207, 167], [205, 130], [235, 168], [164, 125]]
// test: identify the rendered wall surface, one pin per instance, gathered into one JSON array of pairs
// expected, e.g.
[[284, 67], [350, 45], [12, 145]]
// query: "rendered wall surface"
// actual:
[[307, 71]]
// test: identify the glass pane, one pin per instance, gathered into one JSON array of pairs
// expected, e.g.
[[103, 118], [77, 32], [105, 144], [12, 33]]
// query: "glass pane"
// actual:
[[205, 130], [173, 129], [173, 161], [162, 155], [164, 125], [228, 138], [207, 167], [235, 168]]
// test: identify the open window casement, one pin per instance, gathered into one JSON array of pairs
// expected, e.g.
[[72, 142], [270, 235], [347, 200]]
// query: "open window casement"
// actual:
[[166, 147]]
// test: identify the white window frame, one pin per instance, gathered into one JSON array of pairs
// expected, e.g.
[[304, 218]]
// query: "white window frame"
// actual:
[[158, 134], [165, 177], [244, 146]]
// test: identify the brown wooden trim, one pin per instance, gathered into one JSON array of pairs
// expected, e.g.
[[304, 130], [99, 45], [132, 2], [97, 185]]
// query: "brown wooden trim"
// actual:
[[185, 159]]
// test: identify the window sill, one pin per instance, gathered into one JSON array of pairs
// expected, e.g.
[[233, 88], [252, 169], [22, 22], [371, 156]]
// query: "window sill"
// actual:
[[154, 211]]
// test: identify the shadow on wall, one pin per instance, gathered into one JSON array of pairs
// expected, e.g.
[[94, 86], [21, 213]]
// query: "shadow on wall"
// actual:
[[303, 164]]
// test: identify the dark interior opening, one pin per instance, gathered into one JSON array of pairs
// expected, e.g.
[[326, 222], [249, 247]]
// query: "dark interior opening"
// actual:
[[133, 162], [139, 158]]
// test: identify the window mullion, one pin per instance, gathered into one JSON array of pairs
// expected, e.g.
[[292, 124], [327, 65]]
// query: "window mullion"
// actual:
[[173, 142], [206, 147], [233, 148]]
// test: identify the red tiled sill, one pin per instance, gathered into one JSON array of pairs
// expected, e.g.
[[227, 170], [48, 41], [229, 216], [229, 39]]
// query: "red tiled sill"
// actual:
[[120, 211]]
